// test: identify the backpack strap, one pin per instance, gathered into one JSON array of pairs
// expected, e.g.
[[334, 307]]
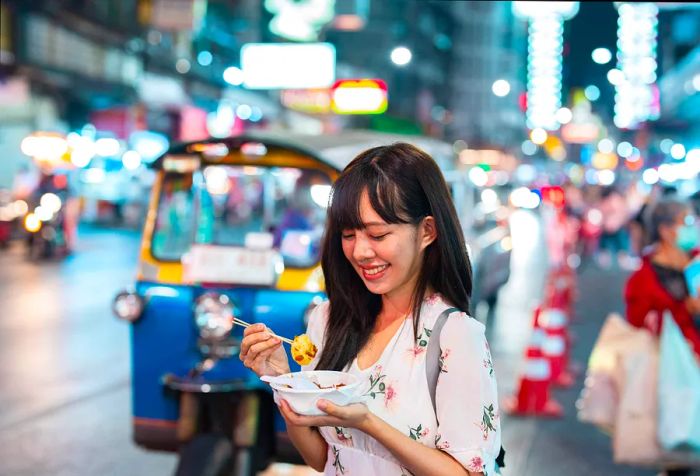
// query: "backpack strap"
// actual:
[[432, 355], [432, 367]]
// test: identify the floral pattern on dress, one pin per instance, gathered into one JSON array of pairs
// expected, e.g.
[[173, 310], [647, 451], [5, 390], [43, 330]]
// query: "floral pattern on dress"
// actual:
[[390, 396], [488, 363], [421, 344], [442, 362], [440, 443], [339, 468], [476, 464], [376, 383], [433, 299], [418, 432], [342, 434], [488, 421]]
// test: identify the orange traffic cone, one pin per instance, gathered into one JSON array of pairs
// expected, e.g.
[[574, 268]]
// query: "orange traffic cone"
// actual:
[[561, 290], [555, 347], [532, 397]]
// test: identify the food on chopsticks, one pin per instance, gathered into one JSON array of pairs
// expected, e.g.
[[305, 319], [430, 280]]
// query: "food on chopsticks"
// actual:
[[303, 350]]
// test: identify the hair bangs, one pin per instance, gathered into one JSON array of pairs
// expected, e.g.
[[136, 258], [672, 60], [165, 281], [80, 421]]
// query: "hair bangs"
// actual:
[[384, 197]]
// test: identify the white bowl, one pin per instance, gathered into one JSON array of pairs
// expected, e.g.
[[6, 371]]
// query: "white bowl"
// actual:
[[303, 400]]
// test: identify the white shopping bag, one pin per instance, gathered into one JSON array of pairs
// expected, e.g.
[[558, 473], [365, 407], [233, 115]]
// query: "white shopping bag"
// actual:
[[678, 391]]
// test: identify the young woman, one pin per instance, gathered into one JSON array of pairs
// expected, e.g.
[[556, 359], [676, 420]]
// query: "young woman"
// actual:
[[394, 259]]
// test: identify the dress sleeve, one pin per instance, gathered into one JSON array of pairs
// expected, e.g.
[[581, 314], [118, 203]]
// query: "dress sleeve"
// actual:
[[466, 397], [316, 330]]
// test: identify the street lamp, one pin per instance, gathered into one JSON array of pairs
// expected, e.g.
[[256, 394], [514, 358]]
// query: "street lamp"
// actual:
[[401, 55]]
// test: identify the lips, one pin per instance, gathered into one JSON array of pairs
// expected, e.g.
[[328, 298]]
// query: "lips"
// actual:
[[375, 272]]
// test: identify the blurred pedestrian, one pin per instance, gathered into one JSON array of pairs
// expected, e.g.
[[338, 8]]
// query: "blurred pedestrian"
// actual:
[[394, 261], [660, 285], [614, 240]]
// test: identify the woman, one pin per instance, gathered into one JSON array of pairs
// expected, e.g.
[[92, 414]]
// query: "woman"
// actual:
[[394, 259], [660, 285]]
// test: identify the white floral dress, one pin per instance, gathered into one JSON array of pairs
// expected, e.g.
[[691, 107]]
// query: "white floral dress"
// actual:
[[396, 390]]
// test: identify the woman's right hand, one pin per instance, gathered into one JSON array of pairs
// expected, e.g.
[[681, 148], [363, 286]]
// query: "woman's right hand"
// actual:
[[262, 352]]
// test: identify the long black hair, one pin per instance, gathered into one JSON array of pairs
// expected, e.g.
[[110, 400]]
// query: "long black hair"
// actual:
[[404, 185]]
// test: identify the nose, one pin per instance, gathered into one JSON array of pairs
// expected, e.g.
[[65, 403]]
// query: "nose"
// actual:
[[363, 249]]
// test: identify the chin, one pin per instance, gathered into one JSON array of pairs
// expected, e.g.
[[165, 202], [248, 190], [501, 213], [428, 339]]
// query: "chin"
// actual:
[[374, 288]]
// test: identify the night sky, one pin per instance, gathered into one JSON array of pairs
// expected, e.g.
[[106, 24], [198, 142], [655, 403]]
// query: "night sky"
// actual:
[[594, 26]]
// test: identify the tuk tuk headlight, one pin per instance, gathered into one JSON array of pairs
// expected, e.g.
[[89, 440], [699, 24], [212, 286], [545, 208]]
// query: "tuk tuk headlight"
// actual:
[[127, 305], [213, 315]]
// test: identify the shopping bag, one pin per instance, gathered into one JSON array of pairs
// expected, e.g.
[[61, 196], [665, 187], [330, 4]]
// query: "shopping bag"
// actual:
[[678, 390], [599, 398], [635, 436]]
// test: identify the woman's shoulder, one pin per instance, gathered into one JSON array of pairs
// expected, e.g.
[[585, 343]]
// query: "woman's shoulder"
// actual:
[[435, 304]]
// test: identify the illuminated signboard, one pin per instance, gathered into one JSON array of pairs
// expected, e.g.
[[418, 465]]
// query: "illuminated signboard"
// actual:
[[359, 96], [288, 65], [314, 101]]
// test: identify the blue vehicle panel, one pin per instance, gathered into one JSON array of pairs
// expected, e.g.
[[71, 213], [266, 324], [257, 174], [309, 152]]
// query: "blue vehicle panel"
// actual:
[[164, 340]]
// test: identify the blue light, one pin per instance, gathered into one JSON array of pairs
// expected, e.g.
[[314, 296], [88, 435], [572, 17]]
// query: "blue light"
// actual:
[[592, 92], [204, 58]]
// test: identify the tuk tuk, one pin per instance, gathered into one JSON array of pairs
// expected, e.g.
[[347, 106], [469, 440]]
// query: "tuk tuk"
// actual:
[[233, 230]]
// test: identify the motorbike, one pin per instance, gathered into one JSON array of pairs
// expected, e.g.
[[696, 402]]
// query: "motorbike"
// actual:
[[45, 228]]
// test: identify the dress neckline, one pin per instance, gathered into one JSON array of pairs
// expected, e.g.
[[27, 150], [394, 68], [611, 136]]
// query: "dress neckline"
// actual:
[[389, 347]]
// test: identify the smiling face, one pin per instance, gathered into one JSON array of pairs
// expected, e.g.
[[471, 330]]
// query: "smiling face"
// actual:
[[387, 257]]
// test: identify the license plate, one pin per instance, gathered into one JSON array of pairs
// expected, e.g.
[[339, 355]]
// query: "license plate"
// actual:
[[232, 265]]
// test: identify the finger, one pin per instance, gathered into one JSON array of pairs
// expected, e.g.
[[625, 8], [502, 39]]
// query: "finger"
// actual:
[[289, 415], [253, 329], [260, 354], [261, 346], [330, 408], [296, 419], [255, 360], [251, 341]]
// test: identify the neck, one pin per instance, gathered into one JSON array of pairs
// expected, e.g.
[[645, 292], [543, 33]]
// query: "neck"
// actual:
[[398, 305], [671, 255], [394, 308]]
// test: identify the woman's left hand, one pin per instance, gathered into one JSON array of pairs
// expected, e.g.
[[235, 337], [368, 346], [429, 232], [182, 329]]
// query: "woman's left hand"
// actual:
[[355, 415]]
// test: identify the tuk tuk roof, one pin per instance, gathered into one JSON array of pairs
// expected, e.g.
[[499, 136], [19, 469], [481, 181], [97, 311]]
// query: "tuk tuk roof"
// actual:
[[336, 150]]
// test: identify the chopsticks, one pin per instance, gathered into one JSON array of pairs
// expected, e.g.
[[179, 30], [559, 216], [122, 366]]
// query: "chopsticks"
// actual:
[[241, 323]]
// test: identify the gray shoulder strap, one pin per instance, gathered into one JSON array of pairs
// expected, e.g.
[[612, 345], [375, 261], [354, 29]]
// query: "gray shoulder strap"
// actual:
[[432, 355]]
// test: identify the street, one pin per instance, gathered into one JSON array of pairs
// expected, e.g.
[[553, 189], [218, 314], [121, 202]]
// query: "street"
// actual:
[[64, 364]]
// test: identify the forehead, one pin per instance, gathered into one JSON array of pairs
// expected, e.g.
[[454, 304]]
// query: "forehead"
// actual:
[[367, 213]]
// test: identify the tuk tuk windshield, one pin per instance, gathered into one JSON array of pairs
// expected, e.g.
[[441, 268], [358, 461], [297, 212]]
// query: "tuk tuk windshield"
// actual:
[[223, 204]]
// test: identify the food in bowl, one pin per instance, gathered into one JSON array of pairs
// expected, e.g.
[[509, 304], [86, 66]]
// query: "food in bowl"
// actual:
[[303, 350], [302, 390]]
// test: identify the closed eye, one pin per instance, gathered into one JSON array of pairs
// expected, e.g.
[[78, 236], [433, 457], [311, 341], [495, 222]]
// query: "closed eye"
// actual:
[[378, 237]]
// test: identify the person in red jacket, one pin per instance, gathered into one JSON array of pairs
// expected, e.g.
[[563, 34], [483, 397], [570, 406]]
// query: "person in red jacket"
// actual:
[[659, 285]]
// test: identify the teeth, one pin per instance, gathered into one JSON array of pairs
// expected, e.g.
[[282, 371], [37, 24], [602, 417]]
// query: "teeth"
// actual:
[[376, 270]]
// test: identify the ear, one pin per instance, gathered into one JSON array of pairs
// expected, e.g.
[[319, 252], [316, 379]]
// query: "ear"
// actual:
[[428, 232]]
